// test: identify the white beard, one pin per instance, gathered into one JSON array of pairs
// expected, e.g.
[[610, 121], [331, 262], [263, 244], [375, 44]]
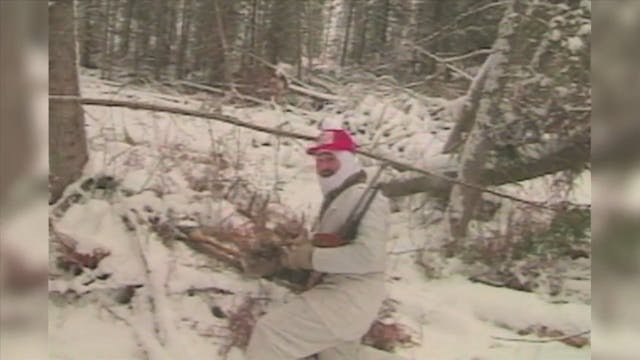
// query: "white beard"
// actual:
[[348, 166]]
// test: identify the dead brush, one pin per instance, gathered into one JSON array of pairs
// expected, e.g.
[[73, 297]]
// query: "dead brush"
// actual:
[[386, 336], [211, 176], [528, 253], [241, 322], [385, 333], [68, 258]]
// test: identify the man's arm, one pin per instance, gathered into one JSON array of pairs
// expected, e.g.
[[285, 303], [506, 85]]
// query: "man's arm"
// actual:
[[367, 252]]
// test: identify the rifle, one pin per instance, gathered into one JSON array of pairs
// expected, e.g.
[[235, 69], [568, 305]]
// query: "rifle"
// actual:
[[348, 231]]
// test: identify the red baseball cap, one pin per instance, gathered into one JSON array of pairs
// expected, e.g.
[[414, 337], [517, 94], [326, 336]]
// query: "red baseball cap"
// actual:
[[333, 140]]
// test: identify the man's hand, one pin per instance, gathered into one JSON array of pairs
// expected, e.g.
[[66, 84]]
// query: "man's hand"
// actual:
[[298, 257]]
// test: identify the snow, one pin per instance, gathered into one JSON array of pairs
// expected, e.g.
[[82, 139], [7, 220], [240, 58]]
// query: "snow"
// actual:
[[575, 44], [584, 29], [88, 331], [449, 316]]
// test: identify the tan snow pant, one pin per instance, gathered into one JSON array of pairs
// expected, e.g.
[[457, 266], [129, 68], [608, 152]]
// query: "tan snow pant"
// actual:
[[293, 331]]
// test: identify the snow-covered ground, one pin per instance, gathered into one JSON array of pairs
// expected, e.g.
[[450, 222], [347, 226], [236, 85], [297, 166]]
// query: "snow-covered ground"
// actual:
[[448, 318]]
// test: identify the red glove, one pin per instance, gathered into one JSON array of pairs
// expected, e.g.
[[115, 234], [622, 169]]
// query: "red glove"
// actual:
[[329, 240]]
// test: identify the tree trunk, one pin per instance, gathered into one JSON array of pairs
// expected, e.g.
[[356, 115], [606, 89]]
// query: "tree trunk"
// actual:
[[143, 33], [463, 200], [87, 33], [16, 136], [125, 33], [439, 45], [336, 21], [384, 25], [222, 34], [67, 138], [308, 29], [106, 41], [254, 30], [425, 25], [162, 48], [361, 19], [172, 17], [281, 38], [299, 37], [347, 32], [184, 39]]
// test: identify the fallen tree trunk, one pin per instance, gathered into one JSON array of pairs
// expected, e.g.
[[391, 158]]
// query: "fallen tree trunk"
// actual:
[[542, 160]]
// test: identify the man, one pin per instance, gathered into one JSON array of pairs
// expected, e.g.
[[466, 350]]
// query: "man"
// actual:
[[330, 318]]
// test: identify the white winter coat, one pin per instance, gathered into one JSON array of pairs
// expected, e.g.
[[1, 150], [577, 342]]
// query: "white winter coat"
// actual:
[[351, 294]]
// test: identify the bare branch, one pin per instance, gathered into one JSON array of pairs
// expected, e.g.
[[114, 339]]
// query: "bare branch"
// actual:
[[559, 338], [441, 60], [468, 55], [231, 120], [292, 79], [201, 87], [462, 16], [180, 111]]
